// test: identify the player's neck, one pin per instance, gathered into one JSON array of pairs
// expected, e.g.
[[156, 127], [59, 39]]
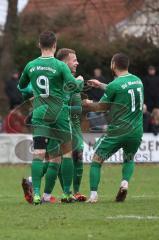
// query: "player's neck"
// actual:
[[122, 73], [47, 53]]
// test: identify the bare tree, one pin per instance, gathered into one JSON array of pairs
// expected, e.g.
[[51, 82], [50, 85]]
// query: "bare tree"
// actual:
[[8, 44], [151, 12], [144, 22]]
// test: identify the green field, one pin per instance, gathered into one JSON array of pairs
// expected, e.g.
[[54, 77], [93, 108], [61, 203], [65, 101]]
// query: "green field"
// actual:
[[137, 218]]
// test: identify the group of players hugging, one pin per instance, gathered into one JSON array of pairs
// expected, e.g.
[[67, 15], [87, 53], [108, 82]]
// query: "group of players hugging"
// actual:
[[50, 83]]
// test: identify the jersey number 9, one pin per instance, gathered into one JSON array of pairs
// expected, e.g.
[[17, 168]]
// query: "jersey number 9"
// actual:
[[43, 84]]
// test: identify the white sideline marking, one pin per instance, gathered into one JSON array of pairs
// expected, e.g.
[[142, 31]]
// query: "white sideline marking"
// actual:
[[132, 217], [145, 196]]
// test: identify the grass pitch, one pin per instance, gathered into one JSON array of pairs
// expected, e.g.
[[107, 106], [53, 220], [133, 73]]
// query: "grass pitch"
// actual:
[[137, 218]]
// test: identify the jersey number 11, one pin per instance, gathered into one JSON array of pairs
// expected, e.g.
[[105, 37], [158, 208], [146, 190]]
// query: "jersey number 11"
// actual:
[[133, 104]]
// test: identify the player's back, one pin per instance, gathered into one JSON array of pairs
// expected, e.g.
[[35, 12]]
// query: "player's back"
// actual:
[[49, 78], [46, 77], [126, 106]]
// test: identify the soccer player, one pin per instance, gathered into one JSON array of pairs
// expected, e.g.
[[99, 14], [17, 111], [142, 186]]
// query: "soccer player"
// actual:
[[50, 79], [123, 98], [71, 170], [75, 169], [68, 168]]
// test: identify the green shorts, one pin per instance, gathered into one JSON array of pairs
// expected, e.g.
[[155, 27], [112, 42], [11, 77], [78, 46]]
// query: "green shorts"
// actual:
[[106, 146], [57, 132]]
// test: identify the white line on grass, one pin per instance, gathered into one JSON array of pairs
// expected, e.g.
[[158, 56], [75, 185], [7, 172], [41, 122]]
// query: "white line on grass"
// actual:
[[120, 217], [134, 196], [145, 196]]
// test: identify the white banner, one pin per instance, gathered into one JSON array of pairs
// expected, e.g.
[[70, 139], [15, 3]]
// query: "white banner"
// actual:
[[16, 148]]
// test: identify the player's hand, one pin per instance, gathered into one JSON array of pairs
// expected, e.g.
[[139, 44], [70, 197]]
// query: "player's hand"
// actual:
[[94, 83], [144, 108], [86, 102], [31, 99], [80, 78]]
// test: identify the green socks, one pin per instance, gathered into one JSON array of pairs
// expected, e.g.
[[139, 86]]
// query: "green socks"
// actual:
[[36, 172], [127, 170], [60, 177], [67, 174], [75, 170], [50, 177], [77, 177], [45, 167], [95, 173]]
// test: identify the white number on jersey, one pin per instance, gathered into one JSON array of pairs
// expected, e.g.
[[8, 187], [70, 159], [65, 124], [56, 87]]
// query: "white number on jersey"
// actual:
[[132, 94], [141, 98], [44, 86]]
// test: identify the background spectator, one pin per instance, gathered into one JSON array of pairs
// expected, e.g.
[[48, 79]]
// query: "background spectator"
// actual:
[[154, 126], [146, 119], [13, 94], [94, 93], [151, 87], [97, 120], [1, 124], [14, 122]]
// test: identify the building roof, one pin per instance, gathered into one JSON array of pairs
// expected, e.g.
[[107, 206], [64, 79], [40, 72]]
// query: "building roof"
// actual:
[[102, 11]]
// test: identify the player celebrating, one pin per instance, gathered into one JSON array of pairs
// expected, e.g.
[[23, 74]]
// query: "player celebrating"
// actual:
[[68, 169], [123, 98], [71, 170], [75, 169], [50, 78]]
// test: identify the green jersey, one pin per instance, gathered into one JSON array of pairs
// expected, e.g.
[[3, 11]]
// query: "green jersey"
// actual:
[[125, 96], [26, 92], [50, 80], [73, 100]]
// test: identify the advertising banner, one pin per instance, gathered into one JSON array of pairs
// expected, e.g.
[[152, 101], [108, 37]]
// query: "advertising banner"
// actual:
[[17, 148]]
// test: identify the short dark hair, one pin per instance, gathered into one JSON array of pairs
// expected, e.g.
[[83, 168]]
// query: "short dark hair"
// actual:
[[63, 53], [151, 67], [121, 61], [47, 39]]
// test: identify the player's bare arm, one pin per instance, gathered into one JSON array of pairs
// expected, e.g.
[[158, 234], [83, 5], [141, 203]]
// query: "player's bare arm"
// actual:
[[96, 84], [90, 106]]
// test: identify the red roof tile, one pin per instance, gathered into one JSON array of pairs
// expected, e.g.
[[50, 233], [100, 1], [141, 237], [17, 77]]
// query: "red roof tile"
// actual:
[[99, 14], [117, 10]]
